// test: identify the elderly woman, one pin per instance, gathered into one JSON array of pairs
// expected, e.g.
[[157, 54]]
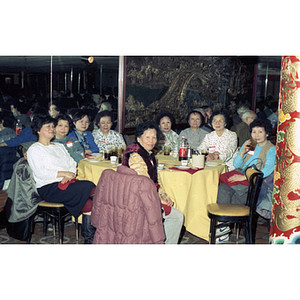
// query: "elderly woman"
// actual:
[[54, 172], [104, 137], [194, 134], [263, 156], [165, 121], [63, 126], [221, 143], [139, 156]]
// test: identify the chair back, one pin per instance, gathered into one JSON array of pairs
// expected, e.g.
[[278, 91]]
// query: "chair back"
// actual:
[[255, 178]]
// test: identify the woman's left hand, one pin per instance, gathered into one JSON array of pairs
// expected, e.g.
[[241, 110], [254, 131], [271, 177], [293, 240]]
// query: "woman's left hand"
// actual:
[[237, 177], [166, 200], [87, 151]]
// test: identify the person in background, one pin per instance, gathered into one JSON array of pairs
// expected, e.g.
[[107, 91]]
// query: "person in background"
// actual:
[[139, 157], [237, 118], [7, 126], [21, 110], [260, 107], [105, 106], [64, 125], [104, 137], [242, 129], [166, 121], [55, 109], [221, 143], [206, 126], [81, 121], [273, 117], [194, 134], [26, 134], [54, 172]]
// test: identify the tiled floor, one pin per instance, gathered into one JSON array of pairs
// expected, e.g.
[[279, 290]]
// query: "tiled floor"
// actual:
[[262, 236]]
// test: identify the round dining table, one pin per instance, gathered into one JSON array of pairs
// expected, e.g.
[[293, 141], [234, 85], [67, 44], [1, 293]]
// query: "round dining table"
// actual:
[[190, 190]]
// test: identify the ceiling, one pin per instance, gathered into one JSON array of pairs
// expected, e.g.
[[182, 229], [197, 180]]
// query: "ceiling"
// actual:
[[41, 64]]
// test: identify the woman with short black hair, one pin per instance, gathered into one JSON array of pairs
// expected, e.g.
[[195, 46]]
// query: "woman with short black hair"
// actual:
[[54, 172], [140, 157]]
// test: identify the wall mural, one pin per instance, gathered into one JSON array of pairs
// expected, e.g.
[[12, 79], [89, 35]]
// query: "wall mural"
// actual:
[[181, 83]]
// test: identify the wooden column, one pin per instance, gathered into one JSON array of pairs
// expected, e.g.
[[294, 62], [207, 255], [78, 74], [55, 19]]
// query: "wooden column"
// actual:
[[285, 218]]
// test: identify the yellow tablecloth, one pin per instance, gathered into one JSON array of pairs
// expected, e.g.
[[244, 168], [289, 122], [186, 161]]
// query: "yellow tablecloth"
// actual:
[[190, 193]]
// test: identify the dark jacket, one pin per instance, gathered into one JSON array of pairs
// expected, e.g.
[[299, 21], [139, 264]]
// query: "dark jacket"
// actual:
[[23, 198], [126, 209]]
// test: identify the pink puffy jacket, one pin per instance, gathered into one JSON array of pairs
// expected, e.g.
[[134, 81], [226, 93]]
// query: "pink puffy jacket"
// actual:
[[126, 209]]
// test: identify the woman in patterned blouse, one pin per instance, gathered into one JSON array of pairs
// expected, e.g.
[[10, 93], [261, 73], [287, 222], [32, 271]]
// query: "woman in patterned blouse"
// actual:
[[166, 121], [104, 137], [221, 143]]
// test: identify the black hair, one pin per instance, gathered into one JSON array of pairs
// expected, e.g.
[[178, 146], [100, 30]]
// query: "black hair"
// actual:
[[38, 122], [64, 117], [104, 113], [196, 112], [9, 121], [79, 115], [141, 128], [223, 113], [265, 123], [260, 105], [165, 114]]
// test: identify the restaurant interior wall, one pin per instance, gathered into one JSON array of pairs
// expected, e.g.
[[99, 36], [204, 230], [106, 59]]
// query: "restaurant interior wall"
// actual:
[[182, 83]]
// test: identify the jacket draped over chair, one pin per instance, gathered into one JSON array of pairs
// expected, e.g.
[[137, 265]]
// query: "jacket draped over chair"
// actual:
[[126, 209]]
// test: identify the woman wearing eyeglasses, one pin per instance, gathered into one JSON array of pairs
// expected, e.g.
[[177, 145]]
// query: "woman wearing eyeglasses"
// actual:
[[221, 143]]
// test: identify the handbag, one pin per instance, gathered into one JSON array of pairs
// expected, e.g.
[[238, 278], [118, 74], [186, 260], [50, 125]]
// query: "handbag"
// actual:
[[20, 230]]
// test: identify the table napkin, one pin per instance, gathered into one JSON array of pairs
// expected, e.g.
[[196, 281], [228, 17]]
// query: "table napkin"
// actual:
[[191, 171]]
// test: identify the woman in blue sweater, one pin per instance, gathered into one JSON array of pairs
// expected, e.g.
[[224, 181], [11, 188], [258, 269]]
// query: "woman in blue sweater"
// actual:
[[263, 156], [81, 122]]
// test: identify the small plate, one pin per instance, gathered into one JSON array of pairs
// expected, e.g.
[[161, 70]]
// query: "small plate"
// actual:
[[212, 163], [160, 168], [92, 159], [182, 167], [95, 154]]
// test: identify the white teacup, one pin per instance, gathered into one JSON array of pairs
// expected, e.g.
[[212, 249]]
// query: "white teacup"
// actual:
[[113, 159]]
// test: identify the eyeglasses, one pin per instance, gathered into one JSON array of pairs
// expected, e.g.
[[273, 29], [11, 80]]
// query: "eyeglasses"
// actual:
[[218, 121]]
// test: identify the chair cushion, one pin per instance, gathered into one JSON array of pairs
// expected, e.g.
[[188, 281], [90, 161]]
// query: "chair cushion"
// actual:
[[228, 209], [49, 204]]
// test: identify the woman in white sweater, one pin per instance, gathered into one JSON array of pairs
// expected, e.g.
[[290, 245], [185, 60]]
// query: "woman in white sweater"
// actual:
[[54, 172], [221, 143]]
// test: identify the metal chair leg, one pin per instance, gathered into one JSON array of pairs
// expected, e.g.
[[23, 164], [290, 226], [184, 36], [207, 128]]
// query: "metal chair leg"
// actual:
[[212, 239]]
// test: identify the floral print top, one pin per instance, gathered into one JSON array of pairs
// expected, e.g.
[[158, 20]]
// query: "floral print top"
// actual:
[[226, 145], [113, 139]]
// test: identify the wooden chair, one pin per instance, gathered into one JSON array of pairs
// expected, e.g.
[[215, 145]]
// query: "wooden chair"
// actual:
[[237, 213]]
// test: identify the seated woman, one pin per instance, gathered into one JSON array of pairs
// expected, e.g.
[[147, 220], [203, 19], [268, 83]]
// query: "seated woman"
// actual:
[[104, 137], [54, 172], [263, 156], [139, 156], [7, 123], [165, 121], [81, 121], [195, 134], [221, 143], [63, 126]]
